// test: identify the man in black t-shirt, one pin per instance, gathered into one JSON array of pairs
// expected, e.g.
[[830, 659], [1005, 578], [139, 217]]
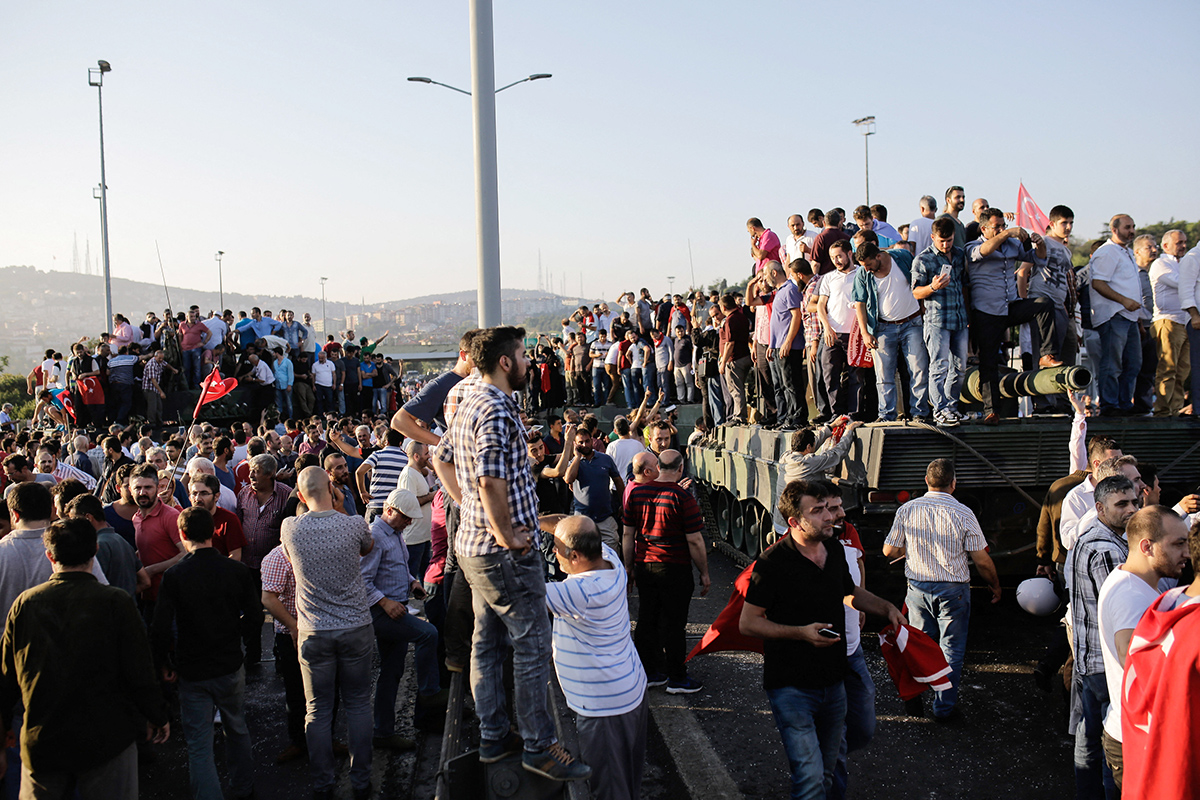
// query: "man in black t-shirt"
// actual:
[[794, 602]]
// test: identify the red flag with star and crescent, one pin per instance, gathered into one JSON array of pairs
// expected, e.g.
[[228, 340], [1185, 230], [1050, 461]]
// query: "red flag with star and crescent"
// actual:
[[1029, 215], [213, 388]]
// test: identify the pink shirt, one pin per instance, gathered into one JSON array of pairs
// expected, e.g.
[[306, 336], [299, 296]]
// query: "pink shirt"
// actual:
[[768, 242], [191, 335]]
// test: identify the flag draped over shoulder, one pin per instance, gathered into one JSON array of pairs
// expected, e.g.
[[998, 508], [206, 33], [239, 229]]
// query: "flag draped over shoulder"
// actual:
[[1160, 714]]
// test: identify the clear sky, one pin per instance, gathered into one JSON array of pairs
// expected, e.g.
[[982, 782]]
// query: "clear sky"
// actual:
[[286, 134]]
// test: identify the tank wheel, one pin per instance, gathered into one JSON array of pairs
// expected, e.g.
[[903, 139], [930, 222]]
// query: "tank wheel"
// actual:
[[737, 522], [721, 507], [766, 530], [753, 523]]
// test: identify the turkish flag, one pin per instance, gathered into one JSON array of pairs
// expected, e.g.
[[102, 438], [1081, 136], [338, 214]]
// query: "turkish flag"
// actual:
[[63, 398], [723, 634], [1029, 216], [213, 388]]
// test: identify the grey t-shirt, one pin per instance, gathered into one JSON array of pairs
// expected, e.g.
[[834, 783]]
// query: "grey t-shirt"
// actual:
[[324, 548], [1050, 279]]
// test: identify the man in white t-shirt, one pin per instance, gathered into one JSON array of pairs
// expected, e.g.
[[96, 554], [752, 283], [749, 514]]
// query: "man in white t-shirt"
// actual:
[[625, 447], [218, 329], [324, 372], [896, 330], [1116, 296], [835, 298], [600, 382], [612, 371], [798, 243], [1158, 549], [416, 478]]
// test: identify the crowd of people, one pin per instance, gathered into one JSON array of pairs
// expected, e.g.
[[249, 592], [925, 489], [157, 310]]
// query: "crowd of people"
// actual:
[[128, 372], [452, 521]]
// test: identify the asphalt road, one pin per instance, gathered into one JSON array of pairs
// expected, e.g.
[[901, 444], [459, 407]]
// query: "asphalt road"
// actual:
[[722, 741]]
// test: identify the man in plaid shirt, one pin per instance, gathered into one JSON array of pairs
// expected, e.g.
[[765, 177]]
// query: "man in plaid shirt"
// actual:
[[152, 386], [1098, 551], [483, 462]]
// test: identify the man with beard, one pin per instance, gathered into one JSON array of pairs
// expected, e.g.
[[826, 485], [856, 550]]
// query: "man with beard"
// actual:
[[798, 589], [227, 538], [156, 532], [1158, 550], [591, 476], [553, 494], [483, 463], [1098, 552]]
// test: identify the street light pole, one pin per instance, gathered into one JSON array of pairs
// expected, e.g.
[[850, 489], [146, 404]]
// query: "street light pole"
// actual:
[[867, 126], [324, 321], [487, 203], [221, 280], [96, 78]]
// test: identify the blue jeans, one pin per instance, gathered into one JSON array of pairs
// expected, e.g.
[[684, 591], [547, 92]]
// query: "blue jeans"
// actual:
[[1093, 778], [782, 408], [810, 722], [508, 594], [196, 702], [942, 610], [895, 341], [1120, 360], [394, 636], [331, 661], [650, 382], [283, 400], [630, 387], [192, 361], [122, 400], [341, 401], [599, 385], [716, 400], [418, 559], [947, 366], [379, 400], [860, 718]]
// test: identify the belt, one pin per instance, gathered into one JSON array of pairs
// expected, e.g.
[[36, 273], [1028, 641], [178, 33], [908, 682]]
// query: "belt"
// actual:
[[900, 321]]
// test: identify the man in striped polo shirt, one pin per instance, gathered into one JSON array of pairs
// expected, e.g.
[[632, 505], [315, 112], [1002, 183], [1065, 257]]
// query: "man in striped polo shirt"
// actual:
[[936, 533], [379, 475], [606, 685]]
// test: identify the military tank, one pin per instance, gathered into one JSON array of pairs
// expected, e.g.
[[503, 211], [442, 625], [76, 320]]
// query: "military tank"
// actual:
[[1003, 471]]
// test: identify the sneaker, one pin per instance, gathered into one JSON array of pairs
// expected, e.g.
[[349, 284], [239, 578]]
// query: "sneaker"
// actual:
[[394, 742], [685, 686], [556, 764], [945, 419], [655, 679], [491, 752]]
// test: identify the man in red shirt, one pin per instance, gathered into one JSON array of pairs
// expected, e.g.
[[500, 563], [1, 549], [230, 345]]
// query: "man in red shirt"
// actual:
[[734, 361], [194, 334], [664, 536], [228, 538], [156, 531]]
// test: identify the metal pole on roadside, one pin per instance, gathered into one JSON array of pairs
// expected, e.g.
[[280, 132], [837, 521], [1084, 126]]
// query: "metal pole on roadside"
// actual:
[[96, 78], [487, 204]]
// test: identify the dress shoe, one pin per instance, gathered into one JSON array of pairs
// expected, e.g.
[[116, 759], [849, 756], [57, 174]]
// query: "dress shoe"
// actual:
[[290, 753], [1047, 362]]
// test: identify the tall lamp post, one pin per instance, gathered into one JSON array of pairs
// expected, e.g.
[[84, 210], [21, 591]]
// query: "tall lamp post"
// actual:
[[324, 322], [221, 280], [866, 126], [96, 78], [487, 209]]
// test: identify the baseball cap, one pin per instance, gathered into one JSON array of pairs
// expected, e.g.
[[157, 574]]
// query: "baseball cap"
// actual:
[[405, 502]]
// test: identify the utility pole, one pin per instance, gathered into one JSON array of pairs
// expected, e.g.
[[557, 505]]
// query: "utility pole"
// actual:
[[866, 126]]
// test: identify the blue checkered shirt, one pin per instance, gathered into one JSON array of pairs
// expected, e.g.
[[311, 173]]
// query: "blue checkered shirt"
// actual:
[[486, 439], [945, 308], [1097, 552]]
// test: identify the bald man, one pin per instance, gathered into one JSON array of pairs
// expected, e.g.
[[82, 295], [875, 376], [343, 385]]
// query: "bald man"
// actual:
[[664, 537], [606, 688]]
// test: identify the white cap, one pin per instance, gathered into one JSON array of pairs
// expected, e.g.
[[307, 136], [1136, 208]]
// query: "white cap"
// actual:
[[405, 502]]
